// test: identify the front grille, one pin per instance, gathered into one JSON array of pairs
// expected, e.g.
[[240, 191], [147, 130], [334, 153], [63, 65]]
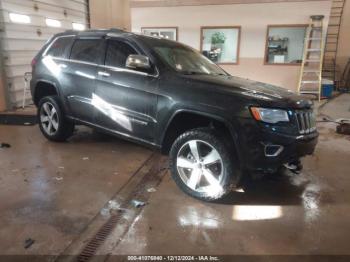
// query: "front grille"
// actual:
[[306, 121]]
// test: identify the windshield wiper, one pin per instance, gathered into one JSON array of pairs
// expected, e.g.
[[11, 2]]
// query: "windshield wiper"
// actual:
[[193, 73]]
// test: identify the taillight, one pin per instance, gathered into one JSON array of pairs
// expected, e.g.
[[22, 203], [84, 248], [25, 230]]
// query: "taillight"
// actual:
[[33, 63]]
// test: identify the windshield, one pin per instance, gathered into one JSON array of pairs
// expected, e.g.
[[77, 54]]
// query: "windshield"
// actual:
[[187, 61]]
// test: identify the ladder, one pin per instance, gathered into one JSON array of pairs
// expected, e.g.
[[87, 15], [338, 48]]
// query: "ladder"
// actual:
[[344, 83], [331, 45], [310, 80]]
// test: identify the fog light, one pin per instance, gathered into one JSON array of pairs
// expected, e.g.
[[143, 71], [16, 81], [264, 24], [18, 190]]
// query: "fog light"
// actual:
[[273, 150]]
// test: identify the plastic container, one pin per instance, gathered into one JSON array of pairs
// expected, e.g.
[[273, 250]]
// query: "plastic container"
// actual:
[[327, 88]]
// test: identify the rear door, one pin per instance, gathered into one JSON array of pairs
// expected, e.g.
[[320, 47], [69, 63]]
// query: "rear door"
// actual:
[[125, 100], [80, 77]]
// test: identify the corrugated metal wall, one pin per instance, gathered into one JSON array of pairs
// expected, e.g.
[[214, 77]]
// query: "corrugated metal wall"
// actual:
[[20, 42]]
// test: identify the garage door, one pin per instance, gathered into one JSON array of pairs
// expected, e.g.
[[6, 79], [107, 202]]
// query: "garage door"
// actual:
[[26, 26]]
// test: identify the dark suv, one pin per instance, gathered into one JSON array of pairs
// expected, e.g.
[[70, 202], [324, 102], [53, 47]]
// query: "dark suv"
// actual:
[[166, 95]]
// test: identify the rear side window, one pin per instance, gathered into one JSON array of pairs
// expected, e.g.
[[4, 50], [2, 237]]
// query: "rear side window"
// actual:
[[88, 50], [60, 47], [117, 53]]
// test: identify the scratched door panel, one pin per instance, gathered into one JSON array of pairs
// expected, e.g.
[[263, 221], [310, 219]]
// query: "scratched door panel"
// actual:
[[126, 102]]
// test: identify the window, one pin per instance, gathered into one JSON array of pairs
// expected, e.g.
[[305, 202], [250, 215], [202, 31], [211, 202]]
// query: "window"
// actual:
[[162, 32], [285, 44], [117, 53], [221, 44], [18, 18], [60, 47], [53, 22], [88, 50], [78, 26], [186, 60]]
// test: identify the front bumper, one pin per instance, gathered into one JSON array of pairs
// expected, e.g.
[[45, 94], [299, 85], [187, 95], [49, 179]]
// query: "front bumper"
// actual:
[[292, 148]]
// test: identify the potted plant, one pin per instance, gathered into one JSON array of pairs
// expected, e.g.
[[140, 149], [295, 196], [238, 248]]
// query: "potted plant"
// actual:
[[218, 40]]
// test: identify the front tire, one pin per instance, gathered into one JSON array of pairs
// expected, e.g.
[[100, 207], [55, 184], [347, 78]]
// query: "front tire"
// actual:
[[202, 165], [52, 121]]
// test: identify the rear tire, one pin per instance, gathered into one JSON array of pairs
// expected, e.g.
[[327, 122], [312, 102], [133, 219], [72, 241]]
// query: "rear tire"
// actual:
[[52, 121], [202, 165]]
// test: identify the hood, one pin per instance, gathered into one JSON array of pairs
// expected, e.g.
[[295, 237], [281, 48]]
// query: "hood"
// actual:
[[261, 93]]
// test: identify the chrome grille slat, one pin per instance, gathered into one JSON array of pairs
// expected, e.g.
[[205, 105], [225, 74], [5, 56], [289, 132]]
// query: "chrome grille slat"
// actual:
[[310, 124], [305, 121], [298, 121], [303, 127]]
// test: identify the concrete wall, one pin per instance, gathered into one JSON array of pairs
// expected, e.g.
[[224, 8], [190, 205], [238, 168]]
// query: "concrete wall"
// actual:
[[253, 18], [110, 14], [343, 54]]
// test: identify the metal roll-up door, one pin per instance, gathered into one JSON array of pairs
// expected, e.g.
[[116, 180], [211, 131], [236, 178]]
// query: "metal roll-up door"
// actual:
[[20, 41]]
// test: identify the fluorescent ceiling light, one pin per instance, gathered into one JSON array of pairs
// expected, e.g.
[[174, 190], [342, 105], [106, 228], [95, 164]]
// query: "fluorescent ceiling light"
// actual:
[[78, 26], [53, 22], [18, 18]]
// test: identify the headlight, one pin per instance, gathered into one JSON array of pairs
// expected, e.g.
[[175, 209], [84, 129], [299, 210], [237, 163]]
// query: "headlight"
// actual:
[[269, 115]]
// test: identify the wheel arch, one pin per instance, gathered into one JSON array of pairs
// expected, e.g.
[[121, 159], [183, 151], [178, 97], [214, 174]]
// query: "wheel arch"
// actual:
[[184, 120], [44, 88]]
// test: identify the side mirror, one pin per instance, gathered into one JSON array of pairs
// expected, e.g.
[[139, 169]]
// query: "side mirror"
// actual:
[[138, 62]]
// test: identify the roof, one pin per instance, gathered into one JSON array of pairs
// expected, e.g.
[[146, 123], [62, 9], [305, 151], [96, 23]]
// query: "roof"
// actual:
[[95, 32], [117, 32]]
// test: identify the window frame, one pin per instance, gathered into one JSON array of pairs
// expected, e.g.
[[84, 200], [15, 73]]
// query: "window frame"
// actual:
[[202, 28], [267, 43], [162, 27], [108, 40], [136, 48], [69, 49], [101, 62]]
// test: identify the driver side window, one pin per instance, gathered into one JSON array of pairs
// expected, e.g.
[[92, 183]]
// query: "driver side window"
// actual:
[[117, 53]]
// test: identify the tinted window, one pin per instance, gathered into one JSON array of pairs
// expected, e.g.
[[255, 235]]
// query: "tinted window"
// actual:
[[117, 53], [60, 47], [187, 61], [88, 50]]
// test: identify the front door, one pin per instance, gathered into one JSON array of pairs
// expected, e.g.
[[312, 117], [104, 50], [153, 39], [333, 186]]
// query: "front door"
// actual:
[[125, 100]]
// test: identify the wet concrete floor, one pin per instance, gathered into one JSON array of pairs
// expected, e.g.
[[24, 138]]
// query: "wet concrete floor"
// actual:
[[287, 214], [52, 192], [290, 214]]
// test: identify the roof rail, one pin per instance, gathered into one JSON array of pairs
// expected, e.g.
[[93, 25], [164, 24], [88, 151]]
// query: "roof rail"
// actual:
[[117, 30]]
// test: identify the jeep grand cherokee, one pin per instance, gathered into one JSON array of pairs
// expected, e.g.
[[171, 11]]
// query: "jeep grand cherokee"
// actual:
[[163, 94]]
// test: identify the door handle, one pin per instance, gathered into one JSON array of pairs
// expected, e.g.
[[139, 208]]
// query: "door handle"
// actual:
[[105, 74]]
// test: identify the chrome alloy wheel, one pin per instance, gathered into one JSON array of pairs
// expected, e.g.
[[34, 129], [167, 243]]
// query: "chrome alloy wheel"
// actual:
[[200, 166], [49, 118]]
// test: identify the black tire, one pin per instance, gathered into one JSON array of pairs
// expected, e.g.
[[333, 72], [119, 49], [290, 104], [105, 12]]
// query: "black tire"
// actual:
[[65, 128], [230, 171]]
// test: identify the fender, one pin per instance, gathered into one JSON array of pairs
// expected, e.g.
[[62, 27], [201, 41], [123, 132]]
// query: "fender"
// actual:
[[57, 89], [227, 123], [42, 80]]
